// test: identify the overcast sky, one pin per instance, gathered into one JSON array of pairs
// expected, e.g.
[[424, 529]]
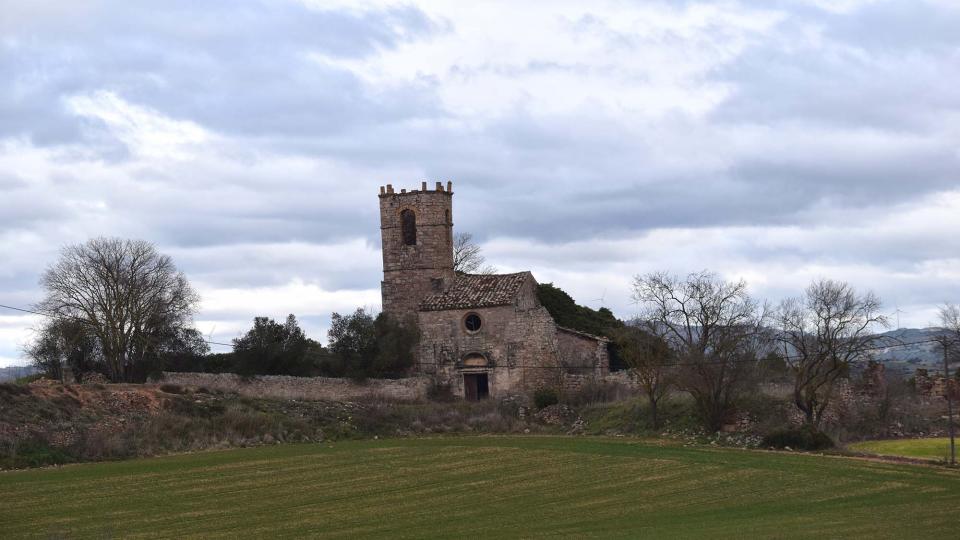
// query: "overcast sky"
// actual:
[[774, 141]]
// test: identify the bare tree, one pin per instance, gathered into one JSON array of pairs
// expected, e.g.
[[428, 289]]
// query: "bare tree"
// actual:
[[130, 296], [949, 315], [715, 331], [949, 341], [467, 256], [649, 359], [820, 334]]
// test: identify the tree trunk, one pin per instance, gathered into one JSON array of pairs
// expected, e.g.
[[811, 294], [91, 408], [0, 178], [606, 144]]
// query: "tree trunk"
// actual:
[[653, 414], [806, 406]]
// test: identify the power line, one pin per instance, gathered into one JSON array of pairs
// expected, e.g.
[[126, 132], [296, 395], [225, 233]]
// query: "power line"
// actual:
[[81, 319], [676, 364]]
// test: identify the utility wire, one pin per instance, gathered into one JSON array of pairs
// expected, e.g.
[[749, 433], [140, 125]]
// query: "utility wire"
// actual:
[[81, 319], [676, 364]]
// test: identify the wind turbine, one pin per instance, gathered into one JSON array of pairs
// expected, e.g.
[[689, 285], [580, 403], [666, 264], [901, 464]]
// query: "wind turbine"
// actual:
[[602, 298], [897, 312], [212, 330]]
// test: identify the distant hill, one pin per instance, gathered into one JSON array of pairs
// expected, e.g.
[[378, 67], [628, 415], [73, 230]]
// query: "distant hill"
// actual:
[[15, 372], [917, 351], [907, 359]]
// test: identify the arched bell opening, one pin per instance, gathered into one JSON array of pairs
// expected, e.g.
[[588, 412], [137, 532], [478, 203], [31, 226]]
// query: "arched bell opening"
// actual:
[[408, 227]]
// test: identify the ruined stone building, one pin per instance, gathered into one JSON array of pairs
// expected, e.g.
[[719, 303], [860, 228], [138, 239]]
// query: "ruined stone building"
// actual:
[[483, 335]]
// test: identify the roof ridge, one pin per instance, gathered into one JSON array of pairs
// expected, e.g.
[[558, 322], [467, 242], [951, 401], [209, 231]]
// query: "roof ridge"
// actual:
[[585, 334], [496, 275]]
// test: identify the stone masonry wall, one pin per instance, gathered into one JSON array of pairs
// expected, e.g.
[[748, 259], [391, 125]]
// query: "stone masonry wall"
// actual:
[[583, 355], [307, 388], [573, 382], [410, 273], [519, 347]]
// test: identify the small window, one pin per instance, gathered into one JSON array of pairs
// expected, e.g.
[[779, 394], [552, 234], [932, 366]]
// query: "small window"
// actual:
[[408, 227], [472, 323]]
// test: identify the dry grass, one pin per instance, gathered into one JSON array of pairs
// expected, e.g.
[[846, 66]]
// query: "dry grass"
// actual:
[[937, 449]]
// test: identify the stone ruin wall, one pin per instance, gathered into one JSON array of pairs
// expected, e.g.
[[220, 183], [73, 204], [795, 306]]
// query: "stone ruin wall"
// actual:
[[583, 355], [306, 388], [573, 382], [935, 386]]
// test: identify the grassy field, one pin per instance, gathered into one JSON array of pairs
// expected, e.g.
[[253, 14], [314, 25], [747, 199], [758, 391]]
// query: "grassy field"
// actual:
[[934, 448], [494, 486]]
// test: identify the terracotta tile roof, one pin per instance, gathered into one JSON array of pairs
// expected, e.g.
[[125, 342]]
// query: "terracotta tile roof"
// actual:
[[476, 291]]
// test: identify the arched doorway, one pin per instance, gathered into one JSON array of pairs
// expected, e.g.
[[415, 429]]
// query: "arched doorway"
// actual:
[[476, 383]]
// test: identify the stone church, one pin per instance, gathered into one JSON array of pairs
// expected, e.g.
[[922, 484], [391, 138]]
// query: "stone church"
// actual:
[[483, 335]]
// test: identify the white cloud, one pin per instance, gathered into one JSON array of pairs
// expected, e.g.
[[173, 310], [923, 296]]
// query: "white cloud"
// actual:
[[299, 297], [587, 142], [15, 332], [642, 60], [146, 133]]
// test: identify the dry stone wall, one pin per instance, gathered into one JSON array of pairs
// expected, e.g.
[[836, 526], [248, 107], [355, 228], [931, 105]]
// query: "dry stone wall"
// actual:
[[307, 388], [573, 382]]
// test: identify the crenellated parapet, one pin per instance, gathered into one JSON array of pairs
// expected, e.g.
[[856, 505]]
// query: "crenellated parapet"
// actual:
[[387, 190]]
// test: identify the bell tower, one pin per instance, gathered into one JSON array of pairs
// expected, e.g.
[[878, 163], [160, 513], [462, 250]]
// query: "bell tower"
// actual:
[[416, 229]]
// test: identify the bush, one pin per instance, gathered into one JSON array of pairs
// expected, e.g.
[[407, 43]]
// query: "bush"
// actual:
[[676, 415], [545, 397], [171, 389], [28, 379], [801, 438], [7, 389], [440, 392], [566, 312], [364, 347], [32, 452], [272, 348]]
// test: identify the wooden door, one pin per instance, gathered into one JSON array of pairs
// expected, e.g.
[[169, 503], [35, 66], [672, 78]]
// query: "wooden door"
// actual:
[[470, 387]]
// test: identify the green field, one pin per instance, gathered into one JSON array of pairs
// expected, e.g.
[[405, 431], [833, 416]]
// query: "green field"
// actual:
[[490, 486], [935, 448]]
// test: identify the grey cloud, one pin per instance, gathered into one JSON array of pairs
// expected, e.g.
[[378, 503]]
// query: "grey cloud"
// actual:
[[252, 267], [230, 67], [859, 180], [10, 181], [899, 27], [888, 65], [245, 72]]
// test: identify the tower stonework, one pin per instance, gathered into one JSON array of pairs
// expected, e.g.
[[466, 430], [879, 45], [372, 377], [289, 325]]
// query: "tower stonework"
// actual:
[[416, 229]]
